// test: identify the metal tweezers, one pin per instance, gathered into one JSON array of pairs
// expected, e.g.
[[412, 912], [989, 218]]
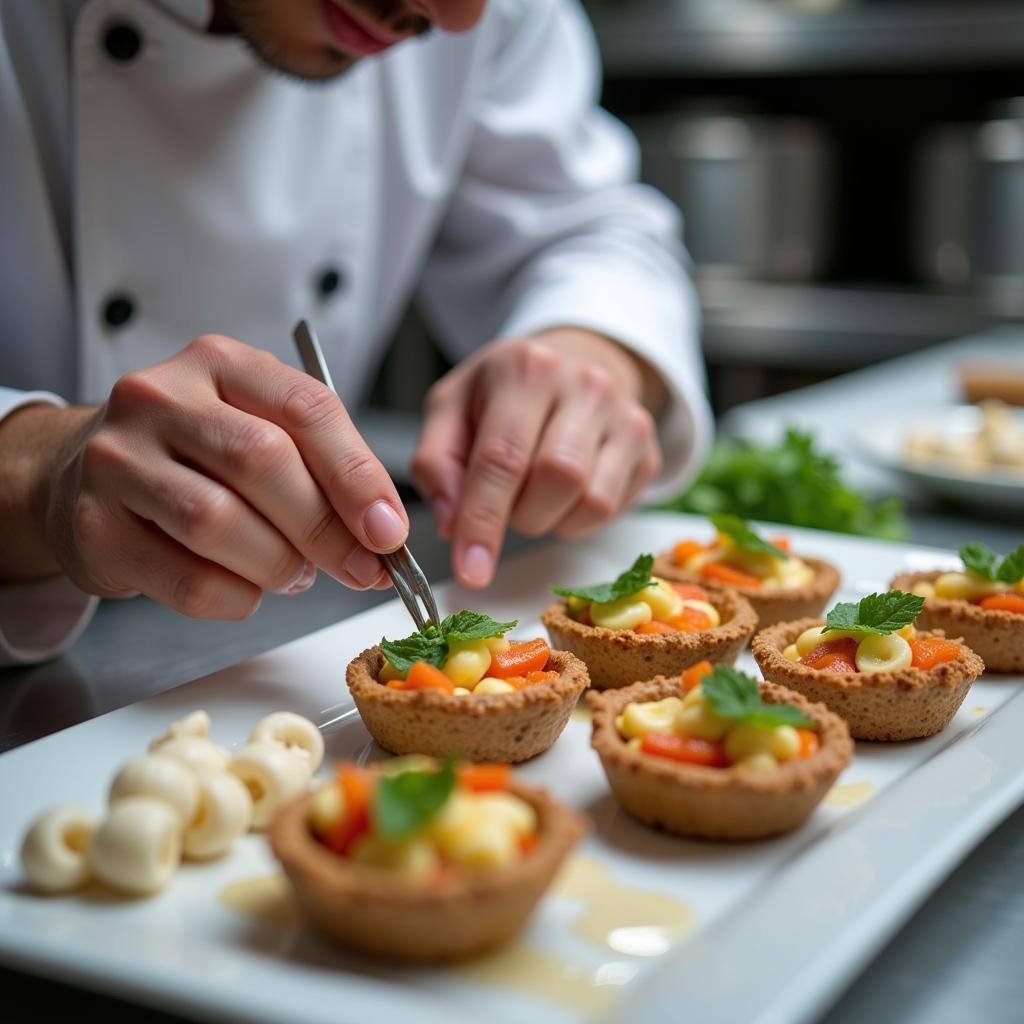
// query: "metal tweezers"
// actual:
[[406, 575]]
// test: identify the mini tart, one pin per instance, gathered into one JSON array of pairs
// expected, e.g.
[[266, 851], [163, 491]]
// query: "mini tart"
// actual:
[[905, 705], [371, 909], [996, 636], [716, 803], [508, 727], [618, 657], [771, 606]]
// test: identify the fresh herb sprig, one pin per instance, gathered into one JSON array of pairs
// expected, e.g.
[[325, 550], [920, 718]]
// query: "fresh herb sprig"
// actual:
[[433, 644], [737, 697], [877, 613], [404, 802], [743, 536], [986, 563], [636, 578]]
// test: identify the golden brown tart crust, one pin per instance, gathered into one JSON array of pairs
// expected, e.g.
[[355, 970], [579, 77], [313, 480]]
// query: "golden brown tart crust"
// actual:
[[716, 803], [373, 910], [771, 606], [508, 727], [618, 657], [904, 705], [997, 637]]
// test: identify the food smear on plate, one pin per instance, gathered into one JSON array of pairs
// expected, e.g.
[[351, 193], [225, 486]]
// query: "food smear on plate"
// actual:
[[850, 794], [997, 444]]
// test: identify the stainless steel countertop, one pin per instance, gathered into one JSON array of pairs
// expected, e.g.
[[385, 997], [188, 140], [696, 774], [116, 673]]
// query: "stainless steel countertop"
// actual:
[[956, 959]]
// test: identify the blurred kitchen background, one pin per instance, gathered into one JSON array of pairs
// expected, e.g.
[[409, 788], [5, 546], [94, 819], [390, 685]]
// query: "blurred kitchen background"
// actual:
[[851, 174]]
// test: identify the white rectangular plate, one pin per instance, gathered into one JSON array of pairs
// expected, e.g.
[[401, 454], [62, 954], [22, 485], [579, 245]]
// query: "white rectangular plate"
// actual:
[[640, 924]]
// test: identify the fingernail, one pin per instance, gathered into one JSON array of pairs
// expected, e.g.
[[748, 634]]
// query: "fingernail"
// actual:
[[305, 580], [384, 526], [363, 566], [477, 566]]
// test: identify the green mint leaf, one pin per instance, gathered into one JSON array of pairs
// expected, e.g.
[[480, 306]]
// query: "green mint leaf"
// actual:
[[466, 625], [734, 695], [429, 646], [744, 537], [980, 560], [876, 613], [404, 802], [632, 581], [1011, 569]]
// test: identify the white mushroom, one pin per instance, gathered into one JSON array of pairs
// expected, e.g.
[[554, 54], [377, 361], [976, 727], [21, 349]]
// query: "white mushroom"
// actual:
[[53, 853], [137, 849], [273, 775], [195, 723], [293, 731], [197, 753], [162, 777], [224, 814]]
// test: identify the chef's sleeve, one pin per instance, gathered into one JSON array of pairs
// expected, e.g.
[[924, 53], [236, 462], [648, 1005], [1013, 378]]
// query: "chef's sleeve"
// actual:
[[43, 618], [549, 227]]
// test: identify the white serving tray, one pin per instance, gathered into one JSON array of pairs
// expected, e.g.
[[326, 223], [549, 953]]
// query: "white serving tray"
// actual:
[[640, 927]]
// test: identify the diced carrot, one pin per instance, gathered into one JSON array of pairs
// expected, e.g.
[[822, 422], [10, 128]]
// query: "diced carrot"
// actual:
[[655, 628], [685, 550], [833, 656], [485, 778], [695, 673], [528, 844], [929, 651], [685, 748], [690, 591], [423, 676], [540, 676], [722, 573], [691, 620], [808, 742], [520, 658], [1004, 603], [782, 543], [356, 788]]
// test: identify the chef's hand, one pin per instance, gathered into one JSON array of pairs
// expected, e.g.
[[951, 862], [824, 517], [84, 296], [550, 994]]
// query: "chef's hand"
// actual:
[[551, 433], [212, 477]]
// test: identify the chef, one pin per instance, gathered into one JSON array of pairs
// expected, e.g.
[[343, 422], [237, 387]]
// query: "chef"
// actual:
[[181, 181]]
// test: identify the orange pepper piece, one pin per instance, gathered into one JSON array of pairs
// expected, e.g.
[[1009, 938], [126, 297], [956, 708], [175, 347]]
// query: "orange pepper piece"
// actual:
[[690, 591], [540, 676], [484, 778], [685, 550], [655, 628], [423, 676], [1004, 603], [809, 742], [691, 620], [722, 573], [695, 673], [520, 658], [685, 748], [929, 651], [833, 656], [357, 790]]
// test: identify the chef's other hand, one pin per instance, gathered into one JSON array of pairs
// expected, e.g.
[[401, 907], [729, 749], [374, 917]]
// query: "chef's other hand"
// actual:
[[214, 476], [550, 433]]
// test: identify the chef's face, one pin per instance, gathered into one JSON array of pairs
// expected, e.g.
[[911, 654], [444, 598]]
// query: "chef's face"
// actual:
[[318, 39]]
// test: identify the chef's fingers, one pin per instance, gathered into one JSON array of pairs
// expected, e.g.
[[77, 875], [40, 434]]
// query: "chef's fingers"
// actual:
[[259, 461], [515, 406], [123, 554], [439, 462], [349, 474], [567, 452], [625, 464]]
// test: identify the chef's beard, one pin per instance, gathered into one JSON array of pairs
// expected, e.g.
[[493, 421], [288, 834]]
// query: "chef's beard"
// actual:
[[274, 32]]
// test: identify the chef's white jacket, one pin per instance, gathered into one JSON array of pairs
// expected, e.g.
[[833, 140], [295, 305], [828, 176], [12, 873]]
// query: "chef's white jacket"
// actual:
[[157, 183]]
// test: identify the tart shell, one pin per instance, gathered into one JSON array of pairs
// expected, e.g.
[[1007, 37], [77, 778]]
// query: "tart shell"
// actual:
[[618, 657], [371, 910], [716, 803], [904, 705], [772, 606], [997, 637], [508, 727]]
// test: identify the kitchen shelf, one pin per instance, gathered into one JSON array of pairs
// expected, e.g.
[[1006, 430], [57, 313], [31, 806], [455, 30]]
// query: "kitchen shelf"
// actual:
[[729, 38]]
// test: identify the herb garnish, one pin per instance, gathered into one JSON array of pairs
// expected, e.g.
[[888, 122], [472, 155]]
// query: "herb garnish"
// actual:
[[636, 578], [742, 535], [736, 696], [403, 802], [876, 613], [432, 644], [986, 563]]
